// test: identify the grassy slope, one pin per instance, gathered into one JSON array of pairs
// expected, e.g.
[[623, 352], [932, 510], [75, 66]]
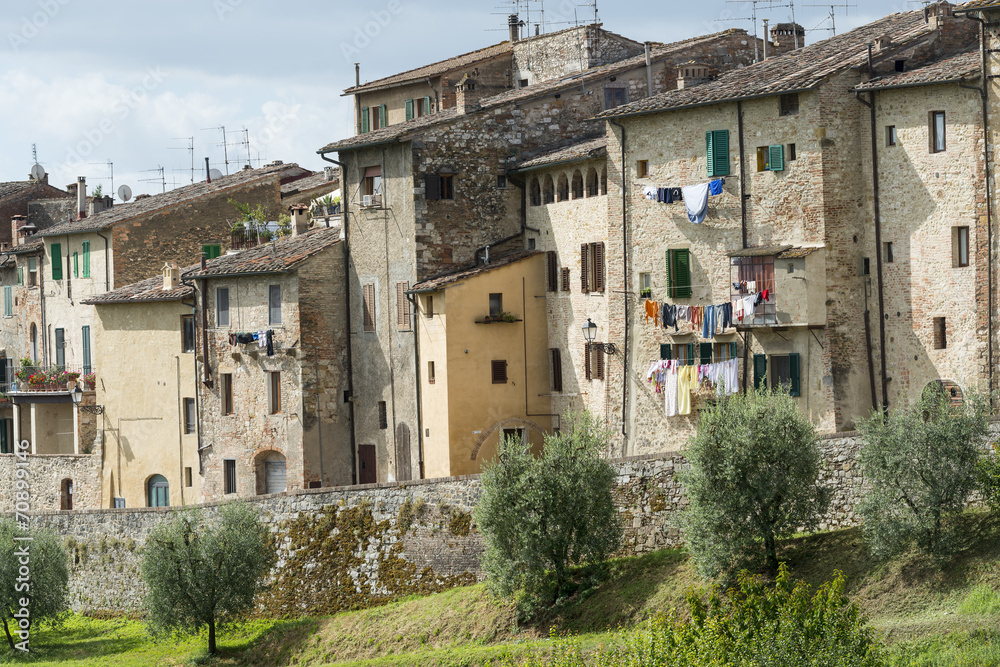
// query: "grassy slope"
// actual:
[[929, 613]]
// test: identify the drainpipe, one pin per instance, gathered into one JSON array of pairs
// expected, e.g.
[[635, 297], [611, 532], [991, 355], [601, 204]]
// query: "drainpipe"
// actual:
[[416, 364], [524, 336], [107, 265], [744, 197], [197, 393], [347, 312], [180, 429], [649, 68], [625, 348], [41, 291]]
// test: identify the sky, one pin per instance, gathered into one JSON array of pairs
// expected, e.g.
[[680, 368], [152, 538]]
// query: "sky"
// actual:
[[123, 88]]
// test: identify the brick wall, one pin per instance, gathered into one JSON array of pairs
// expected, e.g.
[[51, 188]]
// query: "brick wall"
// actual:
[[19, 204]]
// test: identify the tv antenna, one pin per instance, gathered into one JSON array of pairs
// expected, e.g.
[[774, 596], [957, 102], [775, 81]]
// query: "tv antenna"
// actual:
[[162, 180], [37, 170], [225, 146], [765, 5], [832, 18], [190, 149], [111, 166]]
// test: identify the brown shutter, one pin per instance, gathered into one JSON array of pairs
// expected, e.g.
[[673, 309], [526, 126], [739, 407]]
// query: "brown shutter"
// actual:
[[556, 355], [499, 367], [552, 271], [584, 285], [368, 302], [600, 362], [432, 186], [402, 306], [599, 267], [586, 360], [565, 279]]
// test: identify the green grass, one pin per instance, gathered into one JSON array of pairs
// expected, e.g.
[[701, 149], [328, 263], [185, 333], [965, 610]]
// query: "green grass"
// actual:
[[928, 615]]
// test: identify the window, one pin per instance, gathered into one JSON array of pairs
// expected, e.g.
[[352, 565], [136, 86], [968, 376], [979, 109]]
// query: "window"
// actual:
[[562, 191], [645, 285], [402, 307], [866, 266], [784, 371], [593, 361], [615, 97], [226, 392], [791, 153], [551, 271], [86, 259], [368, 303], [274, 392], [516, 434], [447, 186], [158, 494], [565, 279], [788, 105], [548, 190], [76, 265], [593, 183], [229, 475], [32, 271], [222, 307], [85, 337], [536, 192], [429, 306], [771, 158], [187, 476], [211, 250], [34, 342], [642, 169], [383, 416], [577, 184], [57, 272], [430, 372], [61, 348], [900, 65], [531, 244], [937, 132], [499, 371], [501, 181], [365, 121], [496, 304], [274, 304], [888, 251], [8, 301], [20, 275], [555, 369], [717, 152], [522, 83], [187, 333], [6, 435], [890, 135], [439, 186], [417, 107], [373, 118], [679, 273], [940, 334], [372, 182], [189, 417], [592, 267], [960, 246]]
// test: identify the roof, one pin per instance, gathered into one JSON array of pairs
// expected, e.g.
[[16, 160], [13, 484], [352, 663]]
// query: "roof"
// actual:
[[975, 5], [110, 217], [434, 69], [779, 251], [955, 68], [800, 70], [307, 183], [144, 291], [402, 131], [28, 248], [443, 281], [583, 150], [13, 187], [279, 256]]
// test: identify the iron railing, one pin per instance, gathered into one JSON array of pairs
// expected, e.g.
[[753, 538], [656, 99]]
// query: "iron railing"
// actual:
[[33, 379]]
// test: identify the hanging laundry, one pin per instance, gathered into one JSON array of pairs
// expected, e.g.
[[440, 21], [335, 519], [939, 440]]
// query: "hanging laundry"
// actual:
[[232, 339], [670, 392], [708, 329], [650, 193], [764, 295], [270, 343], [696, 201], [684, 313], [668, 195], [670, 317], [675, 194], [715, 187], [244, 338], [727, 315], [686, 382], [652, 311]]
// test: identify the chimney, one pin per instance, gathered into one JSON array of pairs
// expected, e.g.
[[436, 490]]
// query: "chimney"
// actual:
[[786, 37], [300, 218], [767, 38], [691, 74], [329, 174], [81, 197], [71, 190], [208, 172], [649, 67], [357, 74], [515, 28], [171, 277], [17, 224], [466, 98]]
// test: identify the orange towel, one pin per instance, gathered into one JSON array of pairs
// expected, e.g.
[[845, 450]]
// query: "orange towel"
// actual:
[[652, 310]]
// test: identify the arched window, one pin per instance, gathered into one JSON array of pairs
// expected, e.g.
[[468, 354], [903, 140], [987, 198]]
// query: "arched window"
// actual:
[[158, 492], [577, 185], [536, 192], [593, 183], [548, 190], [563, 187], [271, 473], [949, 388], [66, 495], [604, 181], [34, 343]]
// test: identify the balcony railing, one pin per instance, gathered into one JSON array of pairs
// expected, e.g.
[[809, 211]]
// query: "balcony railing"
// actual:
[[34, 379]]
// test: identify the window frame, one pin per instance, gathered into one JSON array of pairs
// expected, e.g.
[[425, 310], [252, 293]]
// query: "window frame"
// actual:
[[961, 245], [430, 373], [274, 392], [498, 371], [32, 272], [226, 394], [8, 301], [60, 346], [891, 136], [496, 303], [219, 310], [940, 333], [938, 136], [611, 96], [368, 307], [228, 476], [273, 310], [188, 336], [642, 169], [190, 417], [788, 105]]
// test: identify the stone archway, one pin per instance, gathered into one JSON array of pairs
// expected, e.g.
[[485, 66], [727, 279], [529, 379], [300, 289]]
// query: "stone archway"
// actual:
[[504, 423], [950, 388]]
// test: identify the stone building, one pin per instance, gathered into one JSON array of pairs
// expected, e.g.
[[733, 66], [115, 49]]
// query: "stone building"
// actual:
[[484, 364], [436, 193], [17, 196], [863, 271], [271, 346]]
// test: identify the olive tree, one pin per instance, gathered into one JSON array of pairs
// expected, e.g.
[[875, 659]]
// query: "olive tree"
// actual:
[[205, 572], [753, 479], [550, 511], [921, 463], [33, 570]]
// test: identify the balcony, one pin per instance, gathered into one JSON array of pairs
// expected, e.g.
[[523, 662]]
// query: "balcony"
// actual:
[[48, 379], [795, 278]]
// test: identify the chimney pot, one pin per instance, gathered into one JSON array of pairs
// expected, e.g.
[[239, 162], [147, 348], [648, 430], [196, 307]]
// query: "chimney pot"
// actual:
[[81, 197], [514, 23], [300, 218], [171, 277]]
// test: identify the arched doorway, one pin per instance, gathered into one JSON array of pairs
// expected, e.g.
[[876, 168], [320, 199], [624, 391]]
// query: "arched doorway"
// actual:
[[157, 492], [271, 472], [949, 388], [66, 494]]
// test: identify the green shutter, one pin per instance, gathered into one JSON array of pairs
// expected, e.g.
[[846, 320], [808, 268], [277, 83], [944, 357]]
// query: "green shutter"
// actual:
[[383, 116], [427, 105], [409, 109], [670, 275], [665, 351], [85, 335], [682, 274], [717, 152], [759, 370], [4, 444], [56, 261], [86, 259], [76, 265], [706, 353], [211, 250], [710, 152], [793, 375], [776, 157], [20, 275], [732, 350], [690, 355], [364, 120], [8, 303]]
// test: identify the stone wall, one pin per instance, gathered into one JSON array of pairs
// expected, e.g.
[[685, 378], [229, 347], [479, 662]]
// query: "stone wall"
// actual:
[[45, 476], [562, 53]]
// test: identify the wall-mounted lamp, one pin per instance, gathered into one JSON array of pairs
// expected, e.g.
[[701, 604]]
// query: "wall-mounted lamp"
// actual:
[[590, 333], [77, 396]]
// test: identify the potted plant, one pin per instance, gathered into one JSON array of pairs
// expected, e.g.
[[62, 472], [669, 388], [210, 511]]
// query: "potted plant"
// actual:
[[90, 381]]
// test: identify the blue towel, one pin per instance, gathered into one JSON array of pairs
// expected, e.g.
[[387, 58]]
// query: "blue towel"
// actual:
[[715, 187]]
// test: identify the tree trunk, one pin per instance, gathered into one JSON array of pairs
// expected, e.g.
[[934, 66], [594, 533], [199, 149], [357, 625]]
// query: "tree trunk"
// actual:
[[211, 636], [10, 640], [772, 553]]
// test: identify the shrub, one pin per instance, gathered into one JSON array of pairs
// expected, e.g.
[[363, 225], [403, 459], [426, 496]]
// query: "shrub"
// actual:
[[921, 463], [988, 470], [47, 583], [753, 479], [547, 512]]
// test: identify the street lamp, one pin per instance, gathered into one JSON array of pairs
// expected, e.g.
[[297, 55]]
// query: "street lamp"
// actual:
[[590, 333], [77, 396]]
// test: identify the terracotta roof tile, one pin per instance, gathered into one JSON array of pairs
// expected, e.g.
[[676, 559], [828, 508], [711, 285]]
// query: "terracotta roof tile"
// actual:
[[443, 281], [391, 133], [310, 182], [13, 187], [583, 150], [434, 69], [975, 5], [145, 291], [27, 248], [279, 256], [954, 68]]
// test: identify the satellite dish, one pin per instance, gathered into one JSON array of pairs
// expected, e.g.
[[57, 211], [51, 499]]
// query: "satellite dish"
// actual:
[[124, 193], [38, 172], [214, 174]]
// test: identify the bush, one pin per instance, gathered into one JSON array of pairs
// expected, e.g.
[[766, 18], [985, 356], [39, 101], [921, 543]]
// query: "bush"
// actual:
[[47, 583], [921, 463], [988, 470], [552, 511], [755, 465], [200, 573], [753, 624]]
